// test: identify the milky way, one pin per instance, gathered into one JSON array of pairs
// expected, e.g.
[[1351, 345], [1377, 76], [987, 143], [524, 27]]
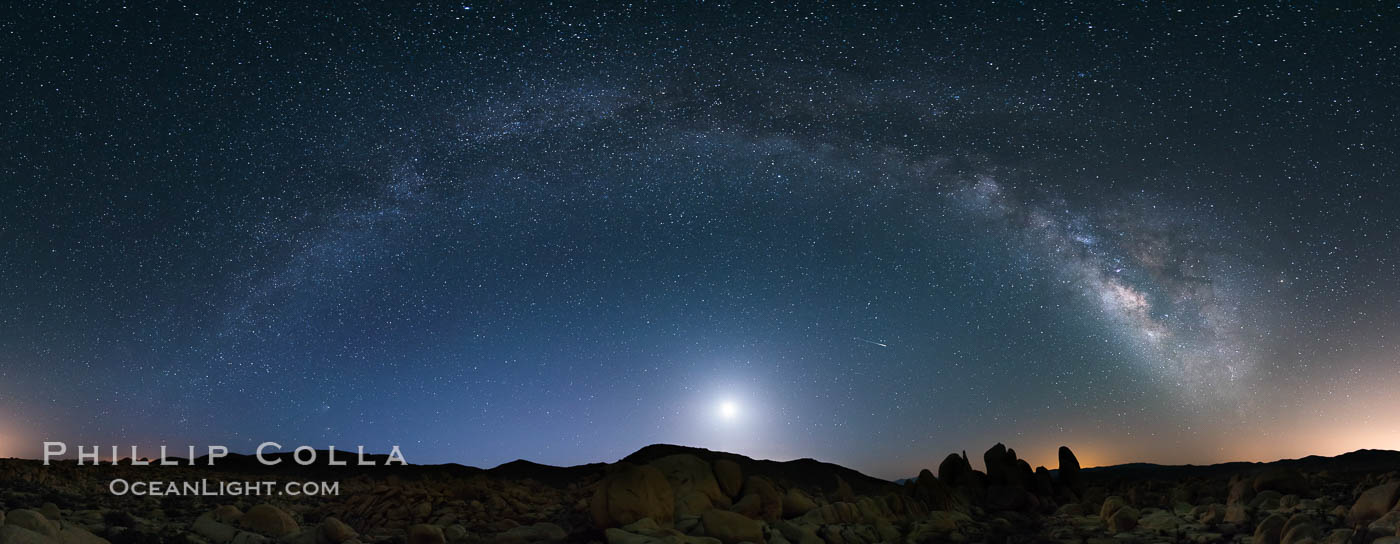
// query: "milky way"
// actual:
[[876, 235], [1160, 283]]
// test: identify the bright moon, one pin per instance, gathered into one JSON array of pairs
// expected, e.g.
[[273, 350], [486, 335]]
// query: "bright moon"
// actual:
[[728, 410]]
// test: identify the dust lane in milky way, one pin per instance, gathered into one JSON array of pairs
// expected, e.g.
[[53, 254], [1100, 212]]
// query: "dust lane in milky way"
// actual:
[[870, 236]]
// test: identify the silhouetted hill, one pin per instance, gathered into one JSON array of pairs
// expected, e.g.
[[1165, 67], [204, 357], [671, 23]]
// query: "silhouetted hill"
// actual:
[[803, 472], [1351, 462]]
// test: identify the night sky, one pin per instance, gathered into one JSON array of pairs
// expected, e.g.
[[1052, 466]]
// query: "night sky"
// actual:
[[872, 236]]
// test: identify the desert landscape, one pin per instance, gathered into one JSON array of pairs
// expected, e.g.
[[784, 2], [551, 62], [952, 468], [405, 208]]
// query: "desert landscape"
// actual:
[[675, 495]]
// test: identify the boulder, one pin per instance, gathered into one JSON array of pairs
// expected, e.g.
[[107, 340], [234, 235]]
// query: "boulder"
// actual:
[[1266, 500], [14, 534], [1385, 525], [1373, 503], [268, 520], [686, 472], [50, 510], [334, 531], [796, 503], [1241, 490], [1044, 484], [1022, 475], [750, 506], [955, 470], [1160, 521], [935, 494], [767, 497], [1111, 505], [630, 493], [1270, 530], [1212, 514], [999, 463], [222, 533], [834, 513], [1069, 472], [692, 503], [844, 493], [618, 536], [1301, 532], [1123, 520], [72, 534], [1236, 514], [32, 520], [423, 533], [731, 528], [227, 513], [730, 477]]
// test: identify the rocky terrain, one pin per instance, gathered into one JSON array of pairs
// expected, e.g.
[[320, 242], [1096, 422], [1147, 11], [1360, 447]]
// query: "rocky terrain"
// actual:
[[675, 495]]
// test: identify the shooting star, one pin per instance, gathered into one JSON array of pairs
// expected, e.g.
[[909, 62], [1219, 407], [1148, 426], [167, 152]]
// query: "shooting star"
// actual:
[[872, 342]]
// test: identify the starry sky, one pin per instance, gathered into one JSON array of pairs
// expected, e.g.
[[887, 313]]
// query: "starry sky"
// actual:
[[870, 235]]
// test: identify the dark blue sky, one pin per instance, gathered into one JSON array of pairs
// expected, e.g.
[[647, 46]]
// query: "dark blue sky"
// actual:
[[877, 235]]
